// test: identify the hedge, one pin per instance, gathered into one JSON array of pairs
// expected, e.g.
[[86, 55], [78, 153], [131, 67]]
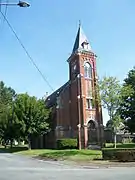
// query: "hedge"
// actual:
[[67, 144], [124, 155]]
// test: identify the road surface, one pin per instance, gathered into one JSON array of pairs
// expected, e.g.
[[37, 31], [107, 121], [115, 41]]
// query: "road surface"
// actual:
[[16, 167]]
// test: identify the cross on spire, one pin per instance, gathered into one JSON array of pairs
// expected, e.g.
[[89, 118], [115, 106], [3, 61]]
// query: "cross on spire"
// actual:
[[79, 23]]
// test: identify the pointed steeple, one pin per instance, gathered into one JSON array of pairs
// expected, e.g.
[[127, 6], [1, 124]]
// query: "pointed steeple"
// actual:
[[81, 42]]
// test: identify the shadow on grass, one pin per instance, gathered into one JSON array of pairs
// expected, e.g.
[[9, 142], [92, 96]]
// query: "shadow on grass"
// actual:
[[13, 149], [98, 159]]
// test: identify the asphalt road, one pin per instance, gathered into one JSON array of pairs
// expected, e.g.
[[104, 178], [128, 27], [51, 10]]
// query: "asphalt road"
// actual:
[[14, 167]]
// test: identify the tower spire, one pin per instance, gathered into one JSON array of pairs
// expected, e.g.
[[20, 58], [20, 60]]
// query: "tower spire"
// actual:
[[81, 42], [79, 23]]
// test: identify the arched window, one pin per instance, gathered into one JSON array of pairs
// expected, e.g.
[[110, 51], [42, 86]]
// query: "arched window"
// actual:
[[91, 125], [87, 70]]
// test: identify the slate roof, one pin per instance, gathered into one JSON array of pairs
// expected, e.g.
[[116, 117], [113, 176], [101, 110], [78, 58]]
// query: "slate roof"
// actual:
[[52, 99], [80, 39]]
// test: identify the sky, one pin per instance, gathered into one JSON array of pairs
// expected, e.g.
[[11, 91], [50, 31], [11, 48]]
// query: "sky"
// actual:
[[48, 29]]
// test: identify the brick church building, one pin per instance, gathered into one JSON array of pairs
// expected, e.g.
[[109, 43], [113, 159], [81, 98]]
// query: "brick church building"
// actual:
[[75, 111]]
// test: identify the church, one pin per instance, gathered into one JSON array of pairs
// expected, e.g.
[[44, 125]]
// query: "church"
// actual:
[[75, 110]]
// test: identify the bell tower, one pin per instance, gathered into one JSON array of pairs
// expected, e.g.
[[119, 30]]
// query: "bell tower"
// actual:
[[85, 112]]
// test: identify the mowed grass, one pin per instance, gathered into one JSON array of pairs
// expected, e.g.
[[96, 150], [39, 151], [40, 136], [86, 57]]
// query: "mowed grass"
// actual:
[[73, 155], [64, 154]]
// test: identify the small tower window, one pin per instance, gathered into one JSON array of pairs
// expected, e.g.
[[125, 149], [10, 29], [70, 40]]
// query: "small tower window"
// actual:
[[88, 88], [89, 103], [87, 70], [85, 45]]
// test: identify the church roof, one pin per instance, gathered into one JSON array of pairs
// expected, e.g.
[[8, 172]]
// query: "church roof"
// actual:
[[51, 100], [80, 39]]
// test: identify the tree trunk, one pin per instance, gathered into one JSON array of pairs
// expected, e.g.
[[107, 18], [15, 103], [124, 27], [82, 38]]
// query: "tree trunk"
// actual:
[[5, 145], [11, 143], [29, 142], [115, 140]]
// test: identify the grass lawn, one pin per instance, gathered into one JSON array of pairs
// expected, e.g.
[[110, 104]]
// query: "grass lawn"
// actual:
[[65, 154], [73, 155]]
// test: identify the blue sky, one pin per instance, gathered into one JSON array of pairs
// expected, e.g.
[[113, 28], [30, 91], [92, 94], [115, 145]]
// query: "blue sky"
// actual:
[[48, 30]]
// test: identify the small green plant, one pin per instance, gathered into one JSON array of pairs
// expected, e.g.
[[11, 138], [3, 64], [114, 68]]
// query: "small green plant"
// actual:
[[67, 144]]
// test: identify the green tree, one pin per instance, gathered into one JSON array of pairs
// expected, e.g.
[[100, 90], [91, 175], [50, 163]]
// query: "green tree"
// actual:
[[10, 127], [127, 108], [110, 98], [4, 125], [6, 94], [110, 93], [32, 114], [6, 98]]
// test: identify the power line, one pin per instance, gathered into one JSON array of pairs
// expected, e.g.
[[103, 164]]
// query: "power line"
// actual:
[[27, 53], [6, 8], [0, 11], [5, 11], [0, 6]]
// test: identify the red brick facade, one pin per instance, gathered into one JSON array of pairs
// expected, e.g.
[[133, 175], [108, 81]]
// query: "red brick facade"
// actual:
[[77, 112]]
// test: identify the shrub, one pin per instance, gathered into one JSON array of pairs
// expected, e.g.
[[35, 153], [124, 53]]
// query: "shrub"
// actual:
[[67, 144], [133, 140], [126, 155], [119, 154]]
